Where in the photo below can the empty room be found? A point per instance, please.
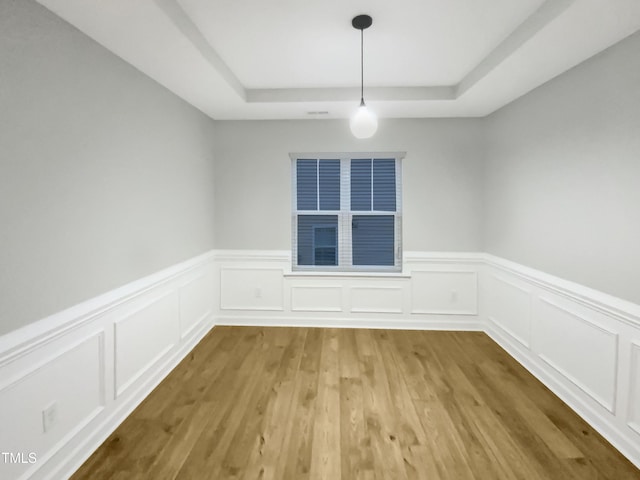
(320, 240)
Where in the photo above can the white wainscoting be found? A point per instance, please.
(509, 307)
(95, 362)
(251, 288)
(377, 299)
(316, 298)
(581, 343)
(634, 389)
(567, 341)
(158, 315)
(448, 292)
(98, 360)
(434, 291)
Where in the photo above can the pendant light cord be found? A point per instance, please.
(361, 67)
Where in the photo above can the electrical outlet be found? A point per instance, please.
(49, 417)
(454, 296)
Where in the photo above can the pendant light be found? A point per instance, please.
(364, 123)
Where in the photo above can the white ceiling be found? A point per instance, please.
(255, 59)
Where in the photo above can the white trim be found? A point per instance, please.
(226, 307)
(27, 350)
(605, 425)
(140, 373)
(508, 331)
(453, 323)
(26, 339)
(345, 155)
(575, 315)
(59, 445)
(376, 287)
(294, 288)
(608, 405)
(345, 273)
(526, 343)
(612, 315)
(185, 333)
(607, 304)
(40, 364)
(98, 434)
(474, 311)
(634, 390)
(189, 332)
(408, 256)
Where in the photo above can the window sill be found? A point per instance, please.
(310, 273)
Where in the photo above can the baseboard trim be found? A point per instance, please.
(451, 323)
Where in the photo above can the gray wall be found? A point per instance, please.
(105, 176)
(441, 178)
(563, 175)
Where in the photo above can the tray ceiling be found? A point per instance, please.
(251, 59)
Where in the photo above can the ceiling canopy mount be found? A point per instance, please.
(362, 22)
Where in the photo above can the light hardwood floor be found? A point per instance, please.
(302, 403)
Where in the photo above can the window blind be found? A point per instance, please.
(346, 214)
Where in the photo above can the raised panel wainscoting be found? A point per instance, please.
(434, 291)
(91, 365)
(581, 343)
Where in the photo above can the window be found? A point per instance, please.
(347, 212)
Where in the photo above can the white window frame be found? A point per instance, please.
(345, 214)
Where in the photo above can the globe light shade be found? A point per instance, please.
(364, 123)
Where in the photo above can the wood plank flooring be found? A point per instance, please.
(303, 403)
